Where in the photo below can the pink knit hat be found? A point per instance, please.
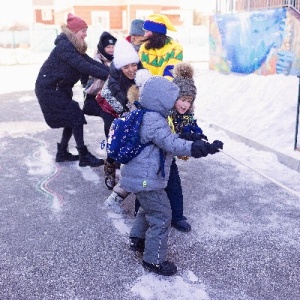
(75, 24)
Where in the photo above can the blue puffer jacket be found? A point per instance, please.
(144, 172)
(57, 77)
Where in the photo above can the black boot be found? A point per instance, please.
(88, 159)
(166, 268)
(137, 244)
(63, 154)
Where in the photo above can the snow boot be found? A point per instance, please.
(137, 244)
(63, 154)
(182, 225)
(165, 268)
(88, 159)
(114, 202)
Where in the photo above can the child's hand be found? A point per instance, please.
(202, 136)
(201, 149)
(192, 136)
(216, 146)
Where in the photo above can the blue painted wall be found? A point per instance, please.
(262, 42)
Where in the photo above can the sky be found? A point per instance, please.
(15, 11)
(259, 108)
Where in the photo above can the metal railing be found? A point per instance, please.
(247, 5)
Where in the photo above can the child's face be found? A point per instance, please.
(109, 49)
(183, 104)
(130, 70)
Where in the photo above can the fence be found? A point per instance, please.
(247, 5)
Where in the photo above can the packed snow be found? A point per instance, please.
(261, 109)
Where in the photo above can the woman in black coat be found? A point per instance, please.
(123, 69)
(56, 79)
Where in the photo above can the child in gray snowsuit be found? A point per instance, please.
(147, 174)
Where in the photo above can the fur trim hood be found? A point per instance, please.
(81, 46)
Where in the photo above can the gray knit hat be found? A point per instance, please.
(136, 27)
(183, 77)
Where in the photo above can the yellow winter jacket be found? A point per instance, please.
(161, 61)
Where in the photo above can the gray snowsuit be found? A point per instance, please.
(143, 175)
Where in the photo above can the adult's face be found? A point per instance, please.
(130, 70)
(137, 39)
(81, 34)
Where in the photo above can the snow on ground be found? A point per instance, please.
(259, 108)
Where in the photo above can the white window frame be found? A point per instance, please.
(101, 19)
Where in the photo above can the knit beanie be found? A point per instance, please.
(158, 23)
(124, 54)
(75, 23)
(136, 27)
(183, 73)
(108, 40)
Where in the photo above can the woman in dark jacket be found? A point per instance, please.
(56, 79)
(122, 73)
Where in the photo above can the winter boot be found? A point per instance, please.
(166, 268)
(137, 244)
(88, 159)
(63, 154)
(181, 225)
(114, 202)
(110, 174)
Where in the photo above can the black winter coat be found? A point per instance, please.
(57, 77)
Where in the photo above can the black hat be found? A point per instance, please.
(106, 39)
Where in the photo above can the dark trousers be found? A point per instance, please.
(77, 132)
(174, 193)
(92, 108)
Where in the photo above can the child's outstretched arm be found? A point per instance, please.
(193, 136)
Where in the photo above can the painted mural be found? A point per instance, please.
(261, 42)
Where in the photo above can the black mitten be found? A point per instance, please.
(201, 149)
(215, 146)
(202, 136)
(192, 136)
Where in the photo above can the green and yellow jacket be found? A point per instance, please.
(162, 61)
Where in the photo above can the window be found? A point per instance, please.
(46, 14)
(101, 19)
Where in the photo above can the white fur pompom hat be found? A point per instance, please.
(140, 77)
(124, 54)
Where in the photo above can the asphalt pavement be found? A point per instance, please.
(58, 241)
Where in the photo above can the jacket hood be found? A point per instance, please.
(159, 94)
(106, 39)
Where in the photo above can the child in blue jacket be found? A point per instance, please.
(147, 174)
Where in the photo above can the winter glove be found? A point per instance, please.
(201, 149)
(218, 144)
(192, 136)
